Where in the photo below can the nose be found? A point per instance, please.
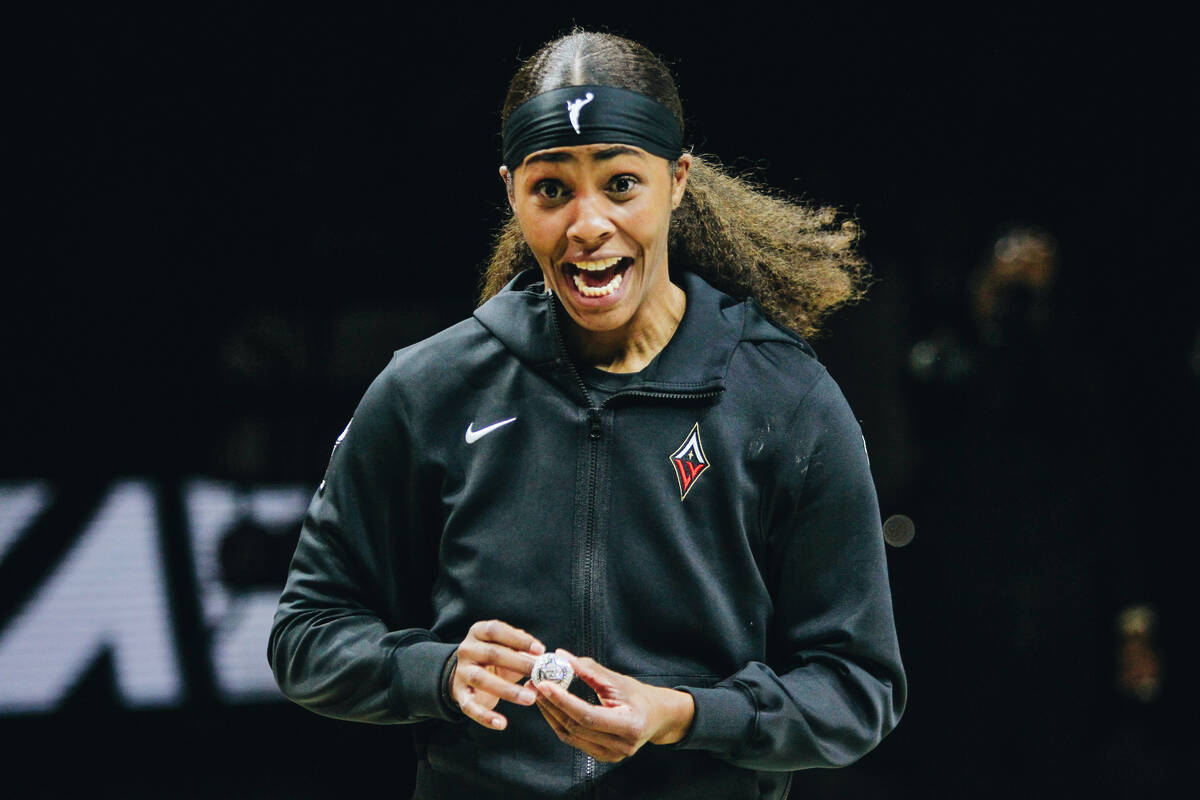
(591, 225)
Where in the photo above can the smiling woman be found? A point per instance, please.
(596, 218)
(654, 474)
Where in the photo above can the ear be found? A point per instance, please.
(679, 179)
(506, 176)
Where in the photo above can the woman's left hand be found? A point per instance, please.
(630, 713)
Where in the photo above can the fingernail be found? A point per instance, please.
(537, 648)
(497, 722)
(527, 696)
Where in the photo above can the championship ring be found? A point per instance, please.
(549, 667)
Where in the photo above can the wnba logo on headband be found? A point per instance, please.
(614, 116)
(573, 108)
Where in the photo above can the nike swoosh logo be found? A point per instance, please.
(475, 435)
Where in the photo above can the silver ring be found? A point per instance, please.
(550, 667)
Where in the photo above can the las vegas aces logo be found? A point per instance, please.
(689, 461)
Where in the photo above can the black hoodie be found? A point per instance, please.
(712, 527)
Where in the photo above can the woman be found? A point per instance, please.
(616, 459)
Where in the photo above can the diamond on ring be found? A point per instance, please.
(550, 667)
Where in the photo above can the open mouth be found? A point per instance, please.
(598, 278)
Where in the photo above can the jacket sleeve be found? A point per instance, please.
(350, 638)
(835, 685)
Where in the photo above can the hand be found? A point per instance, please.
(490, 660)
(631, 713)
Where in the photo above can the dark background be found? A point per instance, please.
(225, 218)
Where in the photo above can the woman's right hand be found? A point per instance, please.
(491, 660)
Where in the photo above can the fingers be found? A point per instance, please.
(553, 715)
(600, 746)
(476, 705)
(509, 675)
(481, 679)
(591, 672)
(501, 633)
(577, 715)
(587, 666)
(571, 731)
(497, 644)
(609, 732)
(499, 659)
(490, 660)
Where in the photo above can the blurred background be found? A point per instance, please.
(224, 218)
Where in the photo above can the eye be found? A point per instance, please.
(622, 184)
(550, 190)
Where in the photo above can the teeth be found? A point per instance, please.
(597, 291)
(597, 266)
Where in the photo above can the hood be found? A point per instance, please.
(695, 360)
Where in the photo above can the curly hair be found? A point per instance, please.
(797, 261)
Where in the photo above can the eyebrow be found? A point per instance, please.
(599, 155)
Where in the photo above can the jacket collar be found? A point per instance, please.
(696, 359)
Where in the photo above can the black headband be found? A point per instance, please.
(590, 115)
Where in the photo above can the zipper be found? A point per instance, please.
(585, 764)
(665, 395)
(595, 431)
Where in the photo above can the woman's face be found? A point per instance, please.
(596, 217)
